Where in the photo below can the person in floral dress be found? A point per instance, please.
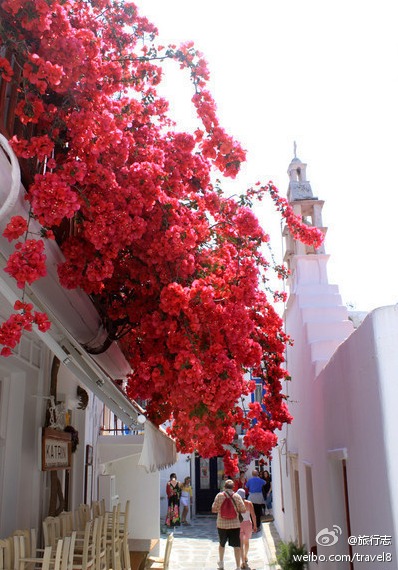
(173, 491)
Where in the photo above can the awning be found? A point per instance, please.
(159, 449)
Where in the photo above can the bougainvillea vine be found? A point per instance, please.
(174, 267)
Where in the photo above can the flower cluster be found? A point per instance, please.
(310, 235)
(11, 330)
(15, 228)
(231, 467)
(29, 110)
(42, 73)
(174, 266)
(52, 199)
(40, 147)
(27, 263)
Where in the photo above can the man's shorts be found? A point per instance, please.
(232, 534)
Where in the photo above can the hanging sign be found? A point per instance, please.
(56, 450)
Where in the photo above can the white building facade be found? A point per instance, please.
(336, 466)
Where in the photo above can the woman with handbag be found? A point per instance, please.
(173, 492)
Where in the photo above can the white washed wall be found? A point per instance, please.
(22, 412)
(349, 408)
(134, 483)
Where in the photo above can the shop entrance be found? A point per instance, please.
(208, 476)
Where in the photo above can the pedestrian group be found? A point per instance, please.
(239, 506)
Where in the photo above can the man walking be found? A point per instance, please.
(255, 487)
(228, 505)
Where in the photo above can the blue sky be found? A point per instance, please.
(324, 74)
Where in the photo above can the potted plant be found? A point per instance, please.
(290, 556)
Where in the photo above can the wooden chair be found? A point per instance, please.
(84, 551)
(67, 523)
(100, 547)
(68, 552)
(124, 519)
(95, 507)
(51, 531)
(113, 542)
(23, 562)
(30, 539)
(98, 508)
(159, 563)
(124, 536)
(6, 554)
(82, 516)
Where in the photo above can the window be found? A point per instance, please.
(258, 393)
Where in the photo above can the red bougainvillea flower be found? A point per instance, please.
(30, 109)
(27, 263)
(42, 73)
(11, 330)
(15, 228)
(299, 230)
(40, 147)
(42, 322)
(52, 199)
(175, 268)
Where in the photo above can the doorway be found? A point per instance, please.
(209, 475)
(295, 482)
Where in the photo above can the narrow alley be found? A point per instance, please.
(195, 547)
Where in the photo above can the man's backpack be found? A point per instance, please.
(227, 510)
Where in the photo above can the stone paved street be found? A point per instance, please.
(195, 547)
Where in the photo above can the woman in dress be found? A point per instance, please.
(173, 491)
(186, 499)
(247, 527)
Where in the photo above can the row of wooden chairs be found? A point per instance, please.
(14, 555)
(83, 540)
(98, 509)
(102, 537)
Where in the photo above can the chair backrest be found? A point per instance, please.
(104, 528)
(14, 542)
(2, 554)
(114, 523)
(58, 554)
(89, 543)
(96, 508)
(51, 531)
(30, 540)
(167, 551)
(100, 546)
(67, 523)
(124, 519)
(46, 560)
(85, 511)
(68, 551)
(5, 554)
(22, 561)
